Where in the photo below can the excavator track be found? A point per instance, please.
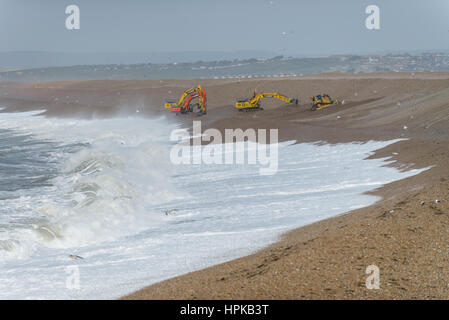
(251, 109)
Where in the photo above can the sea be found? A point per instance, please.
(95, 209)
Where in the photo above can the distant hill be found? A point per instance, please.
(38, 59)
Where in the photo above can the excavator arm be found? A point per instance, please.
(183, 105)
(276, 95)
(255, 101)
(169, 104)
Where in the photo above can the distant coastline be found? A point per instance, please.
(231, 68)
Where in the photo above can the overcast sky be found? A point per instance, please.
(287, 26)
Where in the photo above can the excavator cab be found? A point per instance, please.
(169, 104)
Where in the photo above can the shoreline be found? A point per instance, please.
(312, 253)
(405, 233)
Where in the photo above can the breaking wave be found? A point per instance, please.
(105, 179)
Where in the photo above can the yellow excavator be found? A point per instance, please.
(183, 104)
(254, 103)
(322, 101)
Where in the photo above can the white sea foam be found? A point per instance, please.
(136, 219)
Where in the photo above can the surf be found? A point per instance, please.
(115, 199)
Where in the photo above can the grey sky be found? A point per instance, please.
(288, 26)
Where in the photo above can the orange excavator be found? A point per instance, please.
(184, 104)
